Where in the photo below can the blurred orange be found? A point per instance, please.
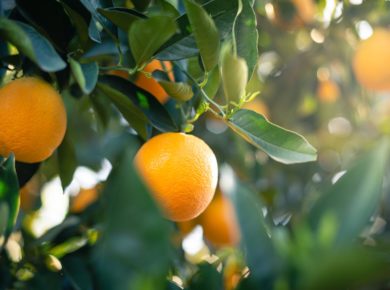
(150, 84)
(328, 91)
(186, 227)
(371, 62)
(119, 73)
(232, 273)
(258, 106)
(219, 222)
(84, 198)
(281, 13)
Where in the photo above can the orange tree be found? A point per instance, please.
(180, 101)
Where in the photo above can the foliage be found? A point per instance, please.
(312, 211)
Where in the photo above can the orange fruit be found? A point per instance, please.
(258, 106)
(371, 62)
(84, 198)
(119, 73)
(33, 119)
(149, 84)
(181, 171)
(328, 91)
(219, 222)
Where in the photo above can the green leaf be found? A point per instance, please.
(156, 113)
(32, 44)
(355, 196)
(76, 269)
(280, 144)
(86, 74)
(141, 5)
(130, 112)
(213, 83)
(179, 91)
(259, 250)
(146, 36)
(67, 161)
(80, 25)
(121, 17)
(135, 244)
(9, 192)
(207, 277)
(346, 268)
(234, 73)
(246, 35)
(205, 33)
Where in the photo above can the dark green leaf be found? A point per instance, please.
(9, 191)
(207, 277)
(67, 161)
(205, 33)
(182, 45)
(280, 144)
(134, 250)
(130, 112)
(86, 74)
(260, 253)
(141, 5)
(30, 43)
(349, 204)
(157, 115)
(347, 268)
(121, 17)
(80, 25)
(246, 35)
(146, 36)
(77, 271)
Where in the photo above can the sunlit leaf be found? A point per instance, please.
(280, 144)
(86, 74)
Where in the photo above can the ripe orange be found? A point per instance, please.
(84, 198)
(181, 171)
(33, 119)
(150, 84)
(219, 222)
(186, 227)
(371, 62)
(328, 91)
(258, 106)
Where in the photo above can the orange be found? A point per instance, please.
(119, 73)
(232, 273)
(328, 91)
(84, 198)
(149, 84)
(219, 222)
(258, 106)
(186, 227)
(371, 62)
(181, 171)
(33, 119)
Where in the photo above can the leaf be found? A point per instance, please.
(67, 161)
(130, 112)
(86, 74)
(146, 36)
(234, 72)
(157, 115)
(354, 198)
(179, 91)
(207, 277)
(213, 83)
(280, 144)
(346, 268)
(133, 231)
(9, 192)
(246, 35)
(260, 253)
(182, 45)
(32, 44)
(80, 25)
(205, 33)
(77, 271)
(121, 17)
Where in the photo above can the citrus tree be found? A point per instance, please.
(159, 144)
